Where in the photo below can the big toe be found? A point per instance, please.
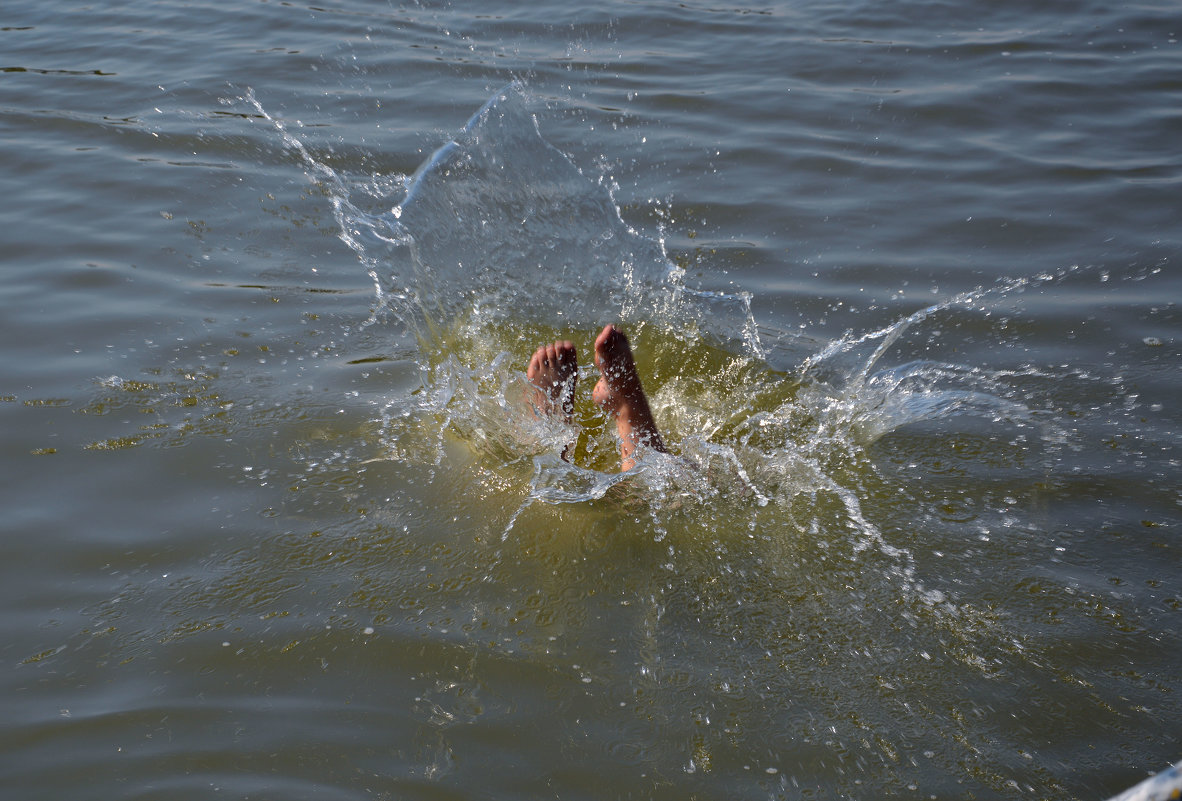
(535, 363)
(567, 357)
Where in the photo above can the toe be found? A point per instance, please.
(566, 354)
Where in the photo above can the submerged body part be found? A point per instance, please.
(553, 372)
(620, 393)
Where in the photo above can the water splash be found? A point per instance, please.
(846, 389)
(369, 236)
(499, 242)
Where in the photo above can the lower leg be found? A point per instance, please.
(621, 395)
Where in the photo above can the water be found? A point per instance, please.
(278, 520)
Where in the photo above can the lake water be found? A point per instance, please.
(903, 283)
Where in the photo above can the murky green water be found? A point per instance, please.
(279, 522)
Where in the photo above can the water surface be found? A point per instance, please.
(279, 521)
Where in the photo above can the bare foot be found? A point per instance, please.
(621, 395)
(553, 371)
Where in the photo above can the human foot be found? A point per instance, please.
(620, 393)
(553, 371)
